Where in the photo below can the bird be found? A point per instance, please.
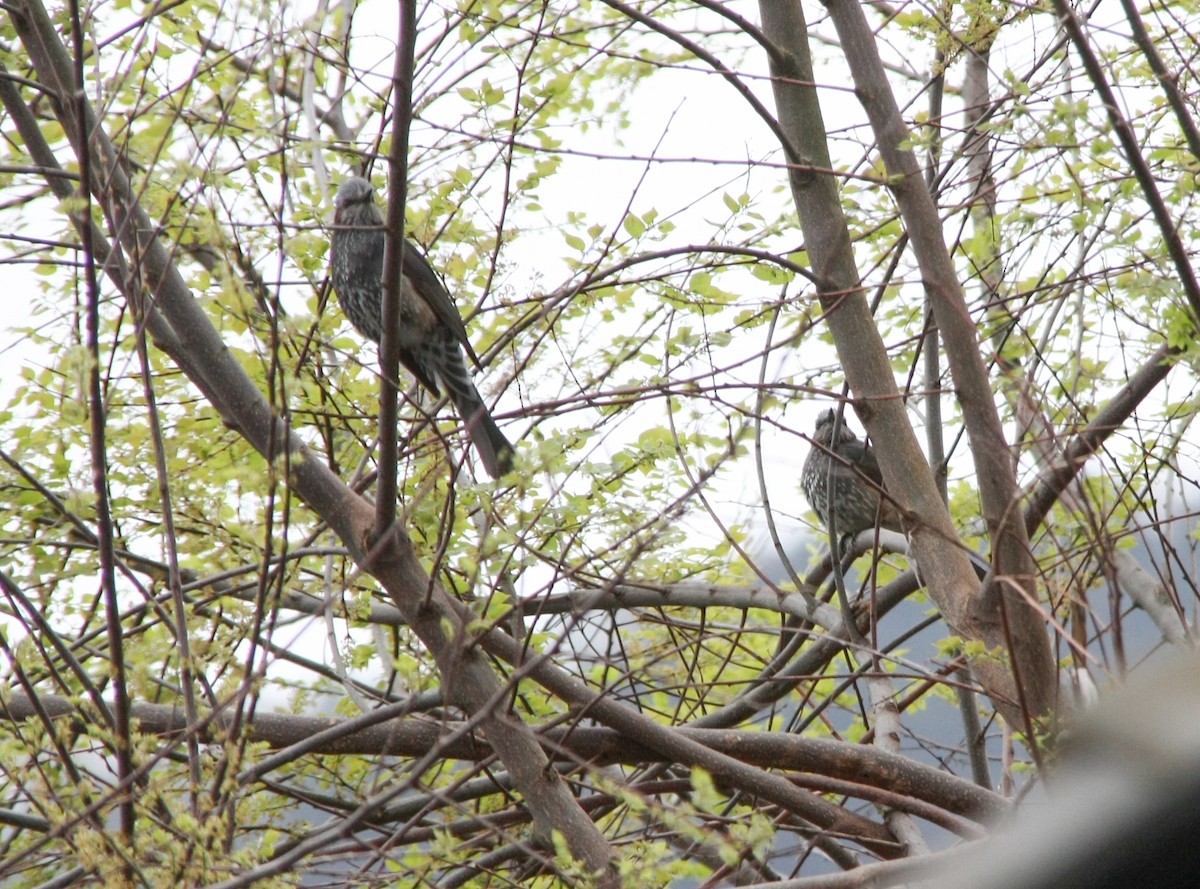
(842, 482)
(432, 335)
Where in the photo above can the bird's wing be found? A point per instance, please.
(430, 286)
(863, 459)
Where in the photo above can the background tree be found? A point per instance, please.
(625, 660)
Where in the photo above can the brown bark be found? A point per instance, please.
(184, 331)
(1021, 682)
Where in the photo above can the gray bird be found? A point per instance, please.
(432, 334)
(845, 475)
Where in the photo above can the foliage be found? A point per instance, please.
(611, 213)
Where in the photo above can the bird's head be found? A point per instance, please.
(824, 429)
(354, 207)
(354, 190)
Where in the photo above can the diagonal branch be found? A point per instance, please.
(1133, 154)
(1007, 611)
(391, 732)
(193, 343)
(1026, 685)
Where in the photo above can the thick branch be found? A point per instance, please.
(1054, 479)
(943, 564)
(386, 735)
(1010, 620)
(678, 747)
(201, 354)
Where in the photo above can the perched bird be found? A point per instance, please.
(432, 335)
(842, 481)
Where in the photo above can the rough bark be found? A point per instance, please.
(181, 327)
(1021, 682)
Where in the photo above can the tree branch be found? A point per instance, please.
(1008, 616)
(943, 564)
(439, 623)
(388, 732)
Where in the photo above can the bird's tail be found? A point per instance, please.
(494, 449)
(451, 372)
